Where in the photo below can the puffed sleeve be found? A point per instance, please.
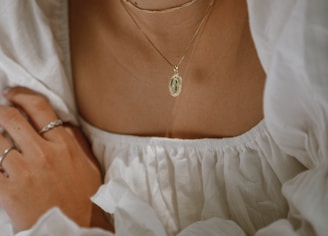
(292, 41)
(33, 53)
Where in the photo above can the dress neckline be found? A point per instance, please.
(246, 139)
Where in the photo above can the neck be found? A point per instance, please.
(179, 24)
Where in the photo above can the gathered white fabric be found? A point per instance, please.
(272, 180)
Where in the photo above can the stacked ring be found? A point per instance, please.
(2, 157)
(51, 125)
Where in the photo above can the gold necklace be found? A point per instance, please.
(164, 10)
(175, 84)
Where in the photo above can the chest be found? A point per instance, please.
(122, 83)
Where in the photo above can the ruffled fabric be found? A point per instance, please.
(187, 181)
(132, 216)
(270, 181)
(54, 222)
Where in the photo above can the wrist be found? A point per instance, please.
(101, 219)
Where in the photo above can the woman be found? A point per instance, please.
(169, 93)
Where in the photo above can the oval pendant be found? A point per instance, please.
(175, 85)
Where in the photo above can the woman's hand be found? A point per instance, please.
(51, 169)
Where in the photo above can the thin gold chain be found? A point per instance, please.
(207, 13)
(164, 10)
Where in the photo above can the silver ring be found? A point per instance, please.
(51, 125)
(2, 157)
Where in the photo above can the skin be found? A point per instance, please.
(58, 161)
(127, 93)
(223, 79)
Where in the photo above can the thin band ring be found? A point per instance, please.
(2, 157)
(51, 125)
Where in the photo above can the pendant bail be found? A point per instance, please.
(176, 69)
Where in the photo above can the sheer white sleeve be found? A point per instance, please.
(292, 40)
(29, 55)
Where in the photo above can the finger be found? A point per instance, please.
(38, 110)
(8, 159)
(19, 129)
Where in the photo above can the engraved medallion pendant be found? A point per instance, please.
(175, 85)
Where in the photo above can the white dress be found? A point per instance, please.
(272, 180)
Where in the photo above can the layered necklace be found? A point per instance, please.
(164, 10)
(175, 83)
